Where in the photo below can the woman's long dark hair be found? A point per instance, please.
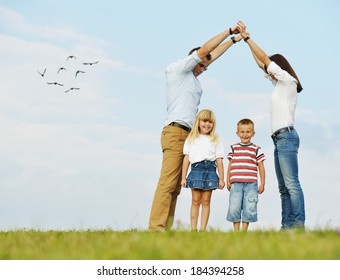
(284, 64)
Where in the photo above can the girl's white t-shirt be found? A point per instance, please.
(202, 148)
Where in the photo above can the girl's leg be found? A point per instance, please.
(196, 200)
(206, 197)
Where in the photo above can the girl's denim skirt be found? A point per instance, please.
(203, 176)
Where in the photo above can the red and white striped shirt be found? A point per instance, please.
(244, 161)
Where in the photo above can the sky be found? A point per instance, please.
(90, 159)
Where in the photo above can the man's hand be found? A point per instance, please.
(234, 29)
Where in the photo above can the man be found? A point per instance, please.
(183, 95)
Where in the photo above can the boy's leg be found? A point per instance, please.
(236, 226)
(250, 199)
(235, 205)
(245, 226)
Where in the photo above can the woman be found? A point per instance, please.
(285, 137)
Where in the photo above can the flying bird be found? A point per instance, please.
(43, 73)
(90, 63)
(72, 88)
(79, 71)
(71, 56)
(55, 83)
(61, 68)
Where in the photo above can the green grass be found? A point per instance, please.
(174, 245)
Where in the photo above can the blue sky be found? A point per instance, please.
(90, 159)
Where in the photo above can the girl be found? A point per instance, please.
(204, 150)
(285, 137)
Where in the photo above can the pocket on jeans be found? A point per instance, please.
(253, 199)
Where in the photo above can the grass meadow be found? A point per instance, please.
(173, 245)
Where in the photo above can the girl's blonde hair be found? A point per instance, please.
(203, 115)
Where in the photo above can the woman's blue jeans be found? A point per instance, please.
(286, 167)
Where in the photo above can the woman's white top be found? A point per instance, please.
(284, 98)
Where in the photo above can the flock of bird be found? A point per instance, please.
(77, 72)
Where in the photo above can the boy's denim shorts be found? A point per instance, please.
(243, 198)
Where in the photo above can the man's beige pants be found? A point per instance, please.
(169, 184)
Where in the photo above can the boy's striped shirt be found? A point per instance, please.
(244, 161)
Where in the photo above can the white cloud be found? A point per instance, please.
(18, 23)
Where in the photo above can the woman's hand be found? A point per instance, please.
(241, 26)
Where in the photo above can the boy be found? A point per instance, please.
(245, 162)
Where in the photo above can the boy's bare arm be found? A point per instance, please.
(228, 176)
(262, 177)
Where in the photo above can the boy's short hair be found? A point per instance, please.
(245, 122)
